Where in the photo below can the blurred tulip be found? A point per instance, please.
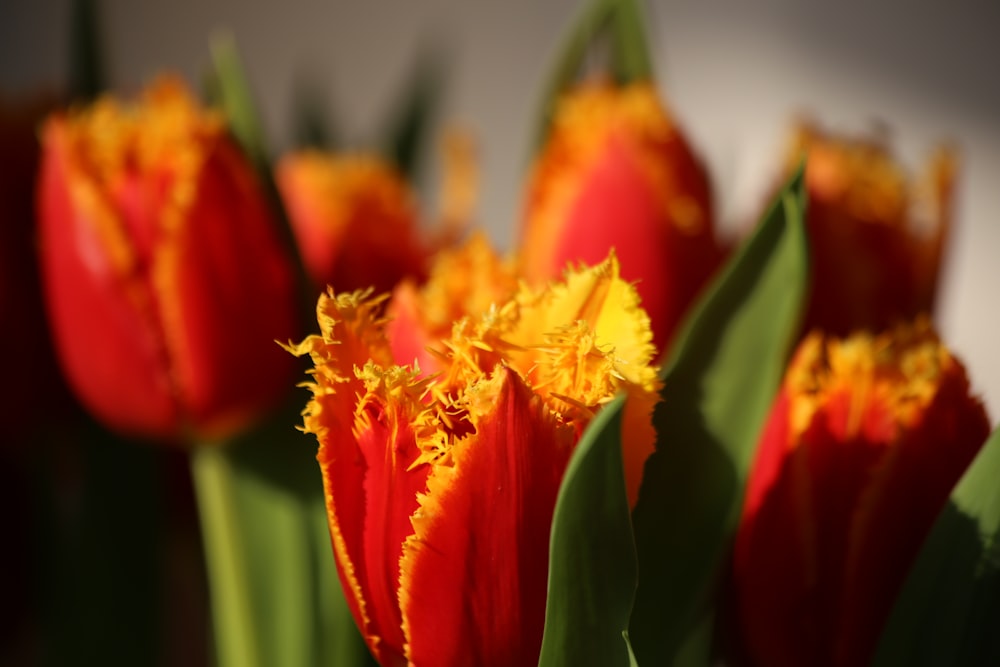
(865, 442)
(354, 218)
(165, 281)
(876, 238)
(616, 172)
(440, 491)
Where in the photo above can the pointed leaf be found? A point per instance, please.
(948, 612)
(630, 54)
(718, 388)
(592, 567)
(310, 115)
(231, 91)
(410, 124)
(87, 78)
(620, 22)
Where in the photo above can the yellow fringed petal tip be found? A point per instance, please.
(465, 280)
(164, 136)
(901, 369)
(594, 311)
(166, 126)
(575, 342)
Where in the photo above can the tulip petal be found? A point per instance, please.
(477, 596)
(225, 248)
(119, 369)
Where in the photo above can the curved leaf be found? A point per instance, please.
(717, 391)
(948, 612)
(592, 568)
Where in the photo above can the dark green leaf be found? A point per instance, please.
(718, 388)
(948, 612)
(616, 25)
(87, 78)
(592, 568)
(311, 116)
(406, 135)
(630, 54)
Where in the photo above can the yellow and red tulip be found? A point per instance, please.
(616, 172)
(876, 236)
(164, 275)
(440, 490)
(866, 439)
(354, 218)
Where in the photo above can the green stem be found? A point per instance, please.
(232, 614)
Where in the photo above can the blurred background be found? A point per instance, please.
(735, 73)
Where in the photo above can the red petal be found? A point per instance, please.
(474, 577)
(226, 292)
(103, 323)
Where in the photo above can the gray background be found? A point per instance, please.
(735, 73)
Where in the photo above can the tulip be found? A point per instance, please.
(876, 236)
(865, 442)
(354, 219)
(617, 172)
(440, 490)
(157, 245)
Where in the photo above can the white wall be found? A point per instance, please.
(734, 71)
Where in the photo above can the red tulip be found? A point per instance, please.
(354, 218)
(165, 281)
(440, 491)
(876, 237)
(616, 172)
(866, 440)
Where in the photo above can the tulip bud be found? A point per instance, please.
(876, 237)
(157, 245)
(354, 219)
(865, 442)
(616, 172)
(440, 490)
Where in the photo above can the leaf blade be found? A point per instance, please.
(949, 608)
(718, 388)
(592, 568)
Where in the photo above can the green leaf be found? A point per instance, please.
(405, 137)
(230, 90)
(948, 612)
(276, 598)
(87, 78)
(630, 55)
(592, 567)
(718, 389)
(619, 22)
